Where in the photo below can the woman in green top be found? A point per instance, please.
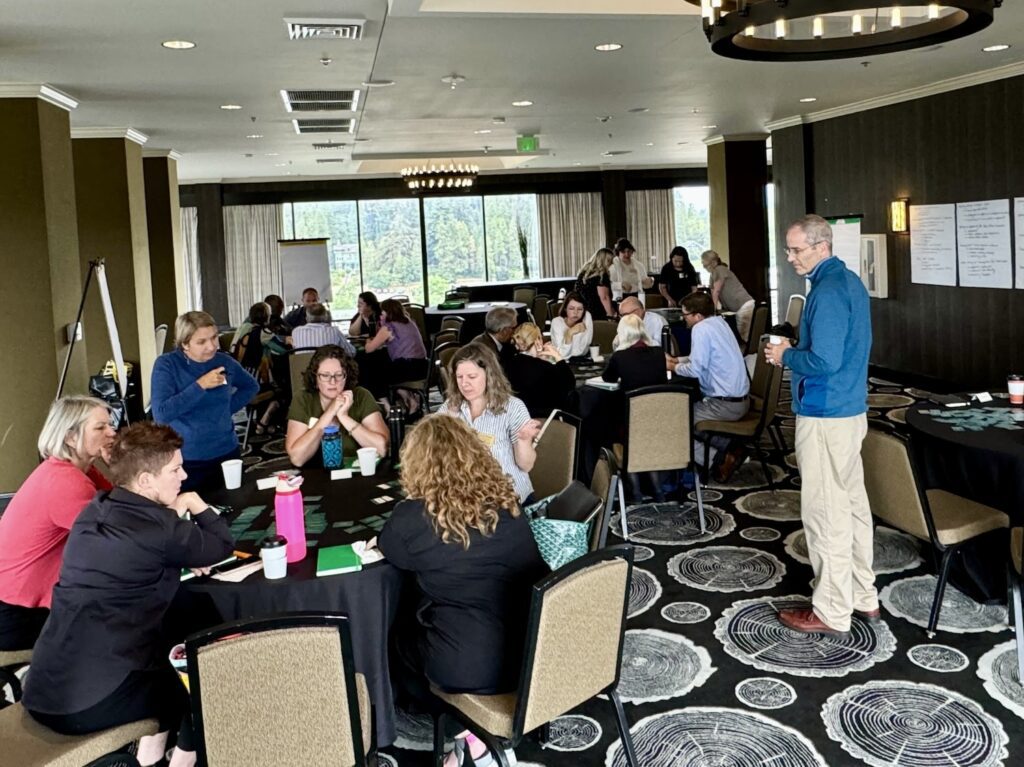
(330, 395)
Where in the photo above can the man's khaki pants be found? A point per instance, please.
(836, 516)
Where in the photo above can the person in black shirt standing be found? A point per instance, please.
(462, 535)
(678, 277)
(101, 660)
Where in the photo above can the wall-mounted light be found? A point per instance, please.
(899, 215)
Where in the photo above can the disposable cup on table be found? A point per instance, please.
(1015, 384)
(232, 473)
(595, 352)
(775, 340)
(367, 460)
(274, 552)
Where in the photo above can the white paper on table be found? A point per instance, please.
(933, 244)
(267, 483)
(368, 551)
(1018, 213)
(238, 574)
(983, 244)
(341, 474)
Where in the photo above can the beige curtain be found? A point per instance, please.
(189, 242)
(651, 223)
(253, 265)
(571, 229)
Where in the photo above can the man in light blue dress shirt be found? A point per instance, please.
(717, 364)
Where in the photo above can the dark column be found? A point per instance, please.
(210, 243)
(737, 175)
(613, 200)
(792, 162)
(163, 224)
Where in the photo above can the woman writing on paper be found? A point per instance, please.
(331, 396)
(101, 661)
(461, 533)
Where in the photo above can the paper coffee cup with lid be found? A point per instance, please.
(273, 552)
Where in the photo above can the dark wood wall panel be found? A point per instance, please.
(954, 147)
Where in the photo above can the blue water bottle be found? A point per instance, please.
(330, 447)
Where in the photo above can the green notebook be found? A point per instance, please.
(333, 560)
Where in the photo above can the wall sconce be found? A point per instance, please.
(899, 215)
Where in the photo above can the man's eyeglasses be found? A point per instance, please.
(798, 251)
(331, 377)
(689, 314)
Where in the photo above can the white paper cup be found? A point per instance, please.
(1015, 385)
(775, 340)
(595, 352)
(232, 473)
(275, 563)
(367, 460)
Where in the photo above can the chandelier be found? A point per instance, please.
(436, 178)
(813, 30)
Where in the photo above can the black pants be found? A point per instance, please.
(157, 694)
(206, 475)
(20, 626)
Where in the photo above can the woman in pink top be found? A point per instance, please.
(35, 525)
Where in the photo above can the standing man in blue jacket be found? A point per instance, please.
(830, 372)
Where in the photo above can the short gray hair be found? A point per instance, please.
(66, 417)
(318, 313)
(710, 255)
(188, 324)
(630, 330)
(499, 318)
(815, 229)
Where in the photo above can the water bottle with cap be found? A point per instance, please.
(289, 516)
(561, 294)
(666, 339)
(396, 427)
(330, 447)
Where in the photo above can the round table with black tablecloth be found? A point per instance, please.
(976, 452)
(337, 512)
(473, 313)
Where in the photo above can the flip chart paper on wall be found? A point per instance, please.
(115, 340)
(1018, 228)
(983, 244)
(933, 244)
(846, 242)
(304, 264)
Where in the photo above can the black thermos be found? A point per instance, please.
(396, 426)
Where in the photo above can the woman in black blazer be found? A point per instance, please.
(101, 660)
(538, 374)
(638, 362)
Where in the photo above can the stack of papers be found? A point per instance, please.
(600, 383)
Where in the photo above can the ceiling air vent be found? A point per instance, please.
(320, 101)
(344, 125)
(329, 145)
(325, 29)
(321, 161)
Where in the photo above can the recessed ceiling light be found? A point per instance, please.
(482, 131)
(995, 48)
(523, 103)
(280, 165)
(649, 143)
(378, 83)
(606, 47)
(639, 110)
(178, 45)
(708, 127)
(255, 135)
(231, 107)
(577, 163)
(271, 154)
(808, 100)
(681, 143)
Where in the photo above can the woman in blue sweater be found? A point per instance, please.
(195, 390)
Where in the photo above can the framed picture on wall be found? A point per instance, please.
(874, 266)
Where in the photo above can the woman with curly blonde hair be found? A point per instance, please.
(474, 558)
(480, 395)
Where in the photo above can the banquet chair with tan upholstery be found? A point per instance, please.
(524, 294)
(26, 743)
(604, 334)
(945, 520)
(298, 361)
(605, 485)
(540, 311)
(274, 691)
(794, 311)
(586, 598)
(1016, 581)
(557, 455)
(758, 327)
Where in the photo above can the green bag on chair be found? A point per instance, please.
(564, 539)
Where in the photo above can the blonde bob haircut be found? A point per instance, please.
(498, 390)
(526, 336)
(630, 330)
(66, 418)
(447, 466)
(188, 324)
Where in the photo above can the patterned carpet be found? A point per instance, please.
(710, 678)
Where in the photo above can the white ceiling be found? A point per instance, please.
(107, 55)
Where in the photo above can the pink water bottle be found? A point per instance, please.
(290, 517)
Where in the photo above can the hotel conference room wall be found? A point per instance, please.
(959, 146)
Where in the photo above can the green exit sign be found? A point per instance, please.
(526, 143)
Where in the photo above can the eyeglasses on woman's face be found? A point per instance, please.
(331, 377)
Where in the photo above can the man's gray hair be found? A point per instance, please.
(499, 318)
(815, 229)
(66, 418)
(318, 313)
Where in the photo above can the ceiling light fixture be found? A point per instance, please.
(816, 30)
(995, 48)
(255, 135)
(608, 47)
(482, 131)
(808, 100)
(453, 80)
(378, 83)
(453, 177)
(523, 103)
(709, 127)
(178, 45)
(231, 107)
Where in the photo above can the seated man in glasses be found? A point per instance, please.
(330, 397)
(653, 323)
(717, 364)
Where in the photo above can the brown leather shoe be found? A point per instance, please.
(871, 616)
(731, 461)
(806, 622)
